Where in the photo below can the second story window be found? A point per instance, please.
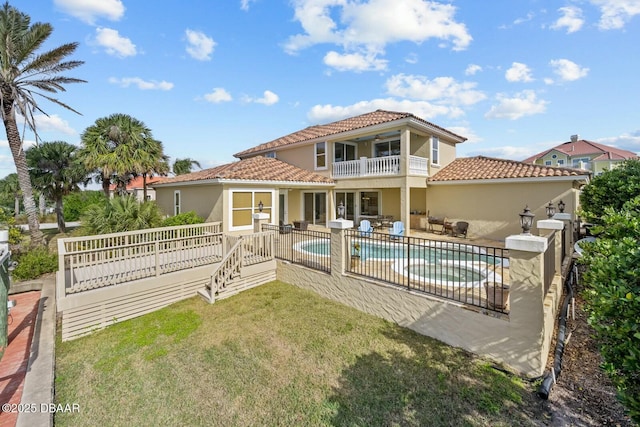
(270, 155)
(387, 148)
(321, 155)
(344, 152)
(435, 150)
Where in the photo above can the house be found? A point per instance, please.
(582, 154)
(135, 187)
(382, 163)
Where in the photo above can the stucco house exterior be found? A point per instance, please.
(382, 163)
(582, 154)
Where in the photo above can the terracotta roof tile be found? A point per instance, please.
(352, 123)
(257, 168)
(584, 148)
(479, 168)
(135, 183)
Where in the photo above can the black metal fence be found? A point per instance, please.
(470, 274)
(305, 247)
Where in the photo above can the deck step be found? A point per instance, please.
(206, 295)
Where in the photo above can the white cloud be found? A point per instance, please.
(141, 84)
(472, 69)
(369, 26)
(27, 143)
(468, 133)
(90, 10)
(411, 58)
(518, 72)
(571, 19)
(568, 70)
(518, 21)
(522, 104)
(218, 95)
(268, 98)
(616, 13)
(626, 141)
(326, 113)
(199, 45)
(244, 4)
(114, 44)
(444, 89)
(354, 62)
(53, 123)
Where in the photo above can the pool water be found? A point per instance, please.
(391, 251)
(446, 273)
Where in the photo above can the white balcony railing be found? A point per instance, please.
(379, 166)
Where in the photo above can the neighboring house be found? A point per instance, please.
(380, 163)
(582, 154)
(135, 187)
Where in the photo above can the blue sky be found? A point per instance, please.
(212, 78)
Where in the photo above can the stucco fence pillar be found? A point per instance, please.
(568, 225)
(258, 220)
(516, 339)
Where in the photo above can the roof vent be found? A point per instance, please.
(574, 138)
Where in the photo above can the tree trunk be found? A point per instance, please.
(60, 216)
(42, 205)
(144, 187)
(106, 183)
(16, 206)
(20, 160)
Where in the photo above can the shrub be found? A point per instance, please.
(611, 189)
(8, 222)
(612, 295)
(184, 218)
(34, 263)
(120, 214)
(75, 204)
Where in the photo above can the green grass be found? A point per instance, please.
(278, 356)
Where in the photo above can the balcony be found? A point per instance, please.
(379, 166)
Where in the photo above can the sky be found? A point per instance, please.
(213, 78)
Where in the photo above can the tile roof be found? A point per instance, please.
(583, 148)
(135, 183)
(352, 123)
(257, 168)
(480, 167)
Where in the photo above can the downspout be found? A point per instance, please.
(550, 377)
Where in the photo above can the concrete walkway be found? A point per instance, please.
(30, 355)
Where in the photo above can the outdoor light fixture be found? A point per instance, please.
(377, 138)
(341, 210)
(561, 206)
(526, 220)
(551, 210)
(260, 206)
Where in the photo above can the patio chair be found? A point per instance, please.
(365, 228)
(285, 228)
(397, 230)
(460, 229)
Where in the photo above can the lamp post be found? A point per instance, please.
(341, 210)
(561, 206)
(260, 206)
(551, 210)
(526, 220)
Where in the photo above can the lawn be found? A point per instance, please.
(279, 355)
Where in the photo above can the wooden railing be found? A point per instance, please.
(93, 262)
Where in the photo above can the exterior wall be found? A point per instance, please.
(447, 155)
(303, 157)
(492, 210)
(554, 162)
(205, 200)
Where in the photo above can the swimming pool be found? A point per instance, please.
(442, 263)
(386, 251)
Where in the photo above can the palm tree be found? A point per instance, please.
(10, 188)
(183, 166)
(56, 172)
(25, 73)
(119, 145)
(150, 161)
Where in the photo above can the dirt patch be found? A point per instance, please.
(583, 395)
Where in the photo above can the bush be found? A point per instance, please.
(612, 294)
(34, 263)
(184, 218)
(120, 214)
(75, 204)
(612, 189)
(8, 222)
